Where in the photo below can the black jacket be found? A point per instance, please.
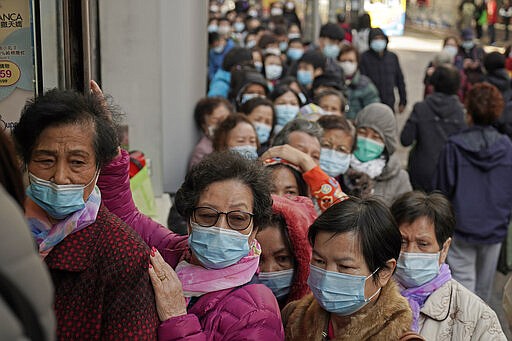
(385, 73)
(431, 122)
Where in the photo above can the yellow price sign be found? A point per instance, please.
(10, 73)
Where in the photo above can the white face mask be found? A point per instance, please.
(275, 11)
(273, 71)
(349, 68)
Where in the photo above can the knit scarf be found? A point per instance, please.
(417, 296)
(197, 280)
(46, 235)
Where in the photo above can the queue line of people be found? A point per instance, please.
(303, 228)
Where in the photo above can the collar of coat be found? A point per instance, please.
(388, 319)
(437, 306)
(75, 252)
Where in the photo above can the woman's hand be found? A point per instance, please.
(290, 154)
(96, 91)
(170, 301)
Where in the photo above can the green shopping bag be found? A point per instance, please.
(142, 192)
(482, 21)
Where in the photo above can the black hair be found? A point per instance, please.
(280, 90)
(280, 30)
(267, 39)
(236, 56)
(213, 37)
(446, 79)
(494, 61)
(248, 107)
(315, 58)
(225, 127)
(434, 206)
(332, 31)
(328, 79)
(205, 106)
(364, 21)
(223, 166)
(371, 221)
(67, 107)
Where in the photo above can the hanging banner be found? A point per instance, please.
(17, 83)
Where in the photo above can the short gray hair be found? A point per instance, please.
(299, 124)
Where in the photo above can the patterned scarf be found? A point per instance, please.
(46, 235)
(417, 296)
(197, 280)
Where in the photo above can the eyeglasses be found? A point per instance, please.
(207, 217)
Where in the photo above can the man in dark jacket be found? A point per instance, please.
(474, 173)
(383, 68)
(431, 122)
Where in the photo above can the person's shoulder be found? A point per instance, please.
(252, 296)
(118, 240)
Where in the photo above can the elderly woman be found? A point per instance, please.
(299, 144)
(96, 261)
(353, 295)
(225, 199)
(442, 308)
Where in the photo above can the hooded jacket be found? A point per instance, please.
(298, 213)
(393, 180)
(474, 172)
(384, 71)
(431, 122)
(360, 92)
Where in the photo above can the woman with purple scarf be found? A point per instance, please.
(442, 308)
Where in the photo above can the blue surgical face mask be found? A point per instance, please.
(283, 46)
(59, 201)
(277, 281)
(212, 28)
(368, 149)
(295, 53)
(258, 66)
(334, 162)
(331, 50)
(239, 26)
(247, 151)
(378, 45)
(285, 113)
(273, 71)
(415, 269)
(338, 293)
(304, 77)
(263, 131)
(216, 247)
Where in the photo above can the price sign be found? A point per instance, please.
(10, 73)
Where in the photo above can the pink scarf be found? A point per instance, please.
(197, 281)
(46, 235)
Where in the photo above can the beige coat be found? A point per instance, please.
(453, 312)
(507, 300)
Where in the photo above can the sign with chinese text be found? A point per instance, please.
(16, 60)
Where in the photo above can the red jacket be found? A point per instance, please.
(492, 12)
(102, 286)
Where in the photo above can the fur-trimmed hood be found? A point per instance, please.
(388, 319)
(299, 213)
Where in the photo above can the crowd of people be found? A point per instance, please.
(296, 219)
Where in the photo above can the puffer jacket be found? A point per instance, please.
(22, 266)
(452, 312)
(220, 84)
(360, 92)
(249, 312)
(431, 122)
